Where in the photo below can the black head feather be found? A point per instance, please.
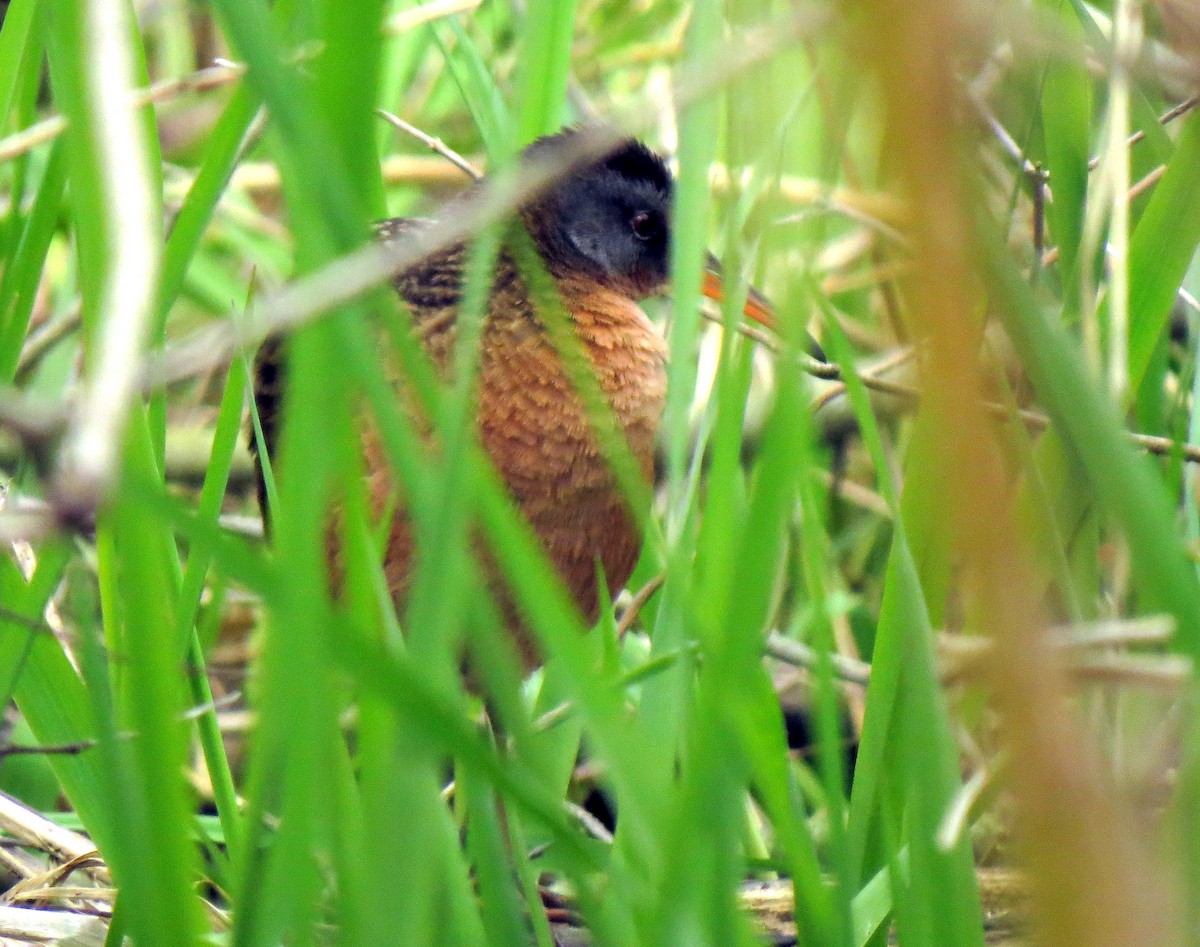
(609, 218)
(636, 162)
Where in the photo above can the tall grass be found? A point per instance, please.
(897, 512)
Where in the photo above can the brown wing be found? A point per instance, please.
(432, 290)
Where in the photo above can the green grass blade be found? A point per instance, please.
(23, 274)
(229, 421)
(1066, 126)
(1124, 483)
(47, 689)
(547, 33)
(220, 159)
(1161, 248)
(19, 41)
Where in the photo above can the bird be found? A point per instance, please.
(603, 234)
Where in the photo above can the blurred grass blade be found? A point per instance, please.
(153, 704)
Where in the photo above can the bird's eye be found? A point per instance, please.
(644, 224)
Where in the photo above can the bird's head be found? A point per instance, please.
(611, 220)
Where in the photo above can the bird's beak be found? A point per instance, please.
(757, 307)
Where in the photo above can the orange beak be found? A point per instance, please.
(757, 307)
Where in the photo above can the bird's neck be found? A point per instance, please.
(606, 318)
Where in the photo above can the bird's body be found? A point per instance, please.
(603, 237)
(532, 422)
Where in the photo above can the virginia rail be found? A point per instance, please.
(603, 234)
